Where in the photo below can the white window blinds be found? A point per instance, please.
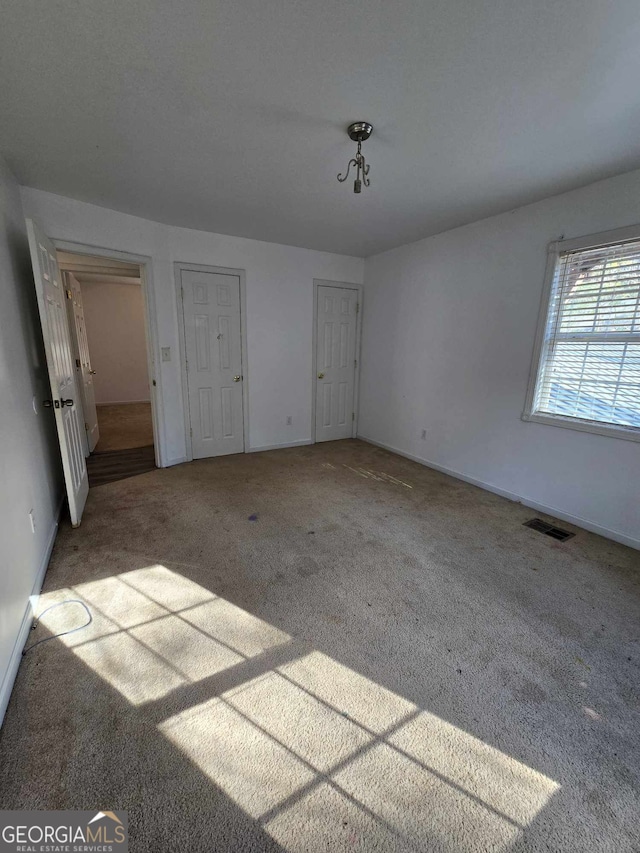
(590, 359)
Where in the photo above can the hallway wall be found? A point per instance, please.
(114, 317)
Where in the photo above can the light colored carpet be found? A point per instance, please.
(331, 648)
(124, 426)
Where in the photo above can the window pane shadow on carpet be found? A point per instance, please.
(308, 744)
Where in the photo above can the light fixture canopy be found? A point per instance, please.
(359, 132)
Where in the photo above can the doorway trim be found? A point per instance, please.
(151, 332)
(178, 268)
(320, 282)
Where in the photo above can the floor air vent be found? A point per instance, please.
(548, 529)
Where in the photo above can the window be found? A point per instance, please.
(587, 361)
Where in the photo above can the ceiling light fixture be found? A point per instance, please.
(359, 131)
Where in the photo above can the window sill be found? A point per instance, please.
(627, 433)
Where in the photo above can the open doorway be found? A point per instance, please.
(106, 313)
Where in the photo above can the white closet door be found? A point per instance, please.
(212, 329)
(337, 314)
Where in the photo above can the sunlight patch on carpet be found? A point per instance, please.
(154, 631)
(314, 736)
(306, 739)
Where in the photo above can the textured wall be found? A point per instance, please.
(279, 282)
(449, 326)
(30, 467)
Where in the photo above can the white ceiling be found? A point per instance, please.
(230, 116)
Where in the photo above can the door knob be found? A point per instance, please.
(237, 378)
(64, 403)
(321, 376)
(92, 372)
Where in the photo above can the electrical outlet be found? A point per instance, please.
(32, 520)
(424, 435)
(289, 420)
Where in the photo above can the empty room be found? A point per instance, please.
(320, 359)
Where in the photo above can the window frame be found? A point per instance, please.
(554, 250)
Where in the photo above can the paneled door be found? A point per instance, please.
(213, 348)
(337, 319)
(84, 372)
(65, 402)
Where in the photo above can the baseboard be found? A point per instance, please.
(177, 461)
(622, 538)
(122, 403)
(262, 447)
(180, 459)
(27, 619)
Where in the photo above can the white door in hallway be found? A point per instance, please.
(337, 318)
(213, 347)
(84, 373)
(65, 401)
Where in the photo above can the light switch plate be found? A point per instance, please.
(165, 353)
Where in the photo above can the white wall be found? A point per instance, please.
(279, 282)
(114, 318)
(30, 467)
(448, 333)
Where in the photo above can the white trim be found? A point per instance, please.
(597, 427)
(178, 460)
(552, 256)
(512, 496)
(346, 285)
(261, 448)
(554, 250)
(178, 268)
(594, 241)
(151, 333)
(29, 615)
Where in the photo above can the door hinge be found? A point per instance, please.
(357, 307)
(353, 416)
(355, 362)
